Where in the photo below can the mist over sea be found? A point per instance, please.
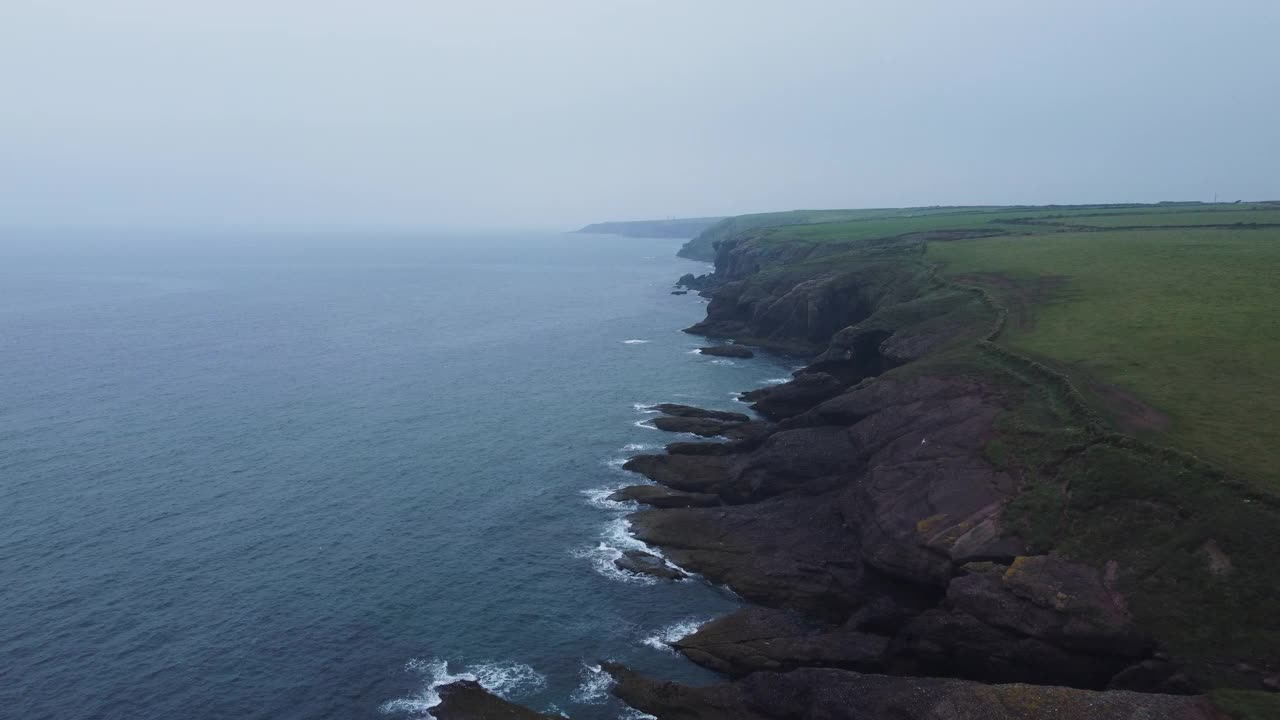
(306, 476)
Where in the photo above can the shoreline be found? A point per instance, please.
(863, 517)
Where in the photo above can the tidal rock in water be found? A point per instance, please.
(732, 351)
(689, 411)
(467, 700)
(703, 427)
(641, 562)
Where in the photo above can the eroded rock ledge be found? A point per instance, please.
(825, 694)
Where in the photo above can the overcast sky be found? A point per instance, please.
(555, 113)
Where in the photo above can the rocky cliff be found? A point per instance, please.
(931, 526)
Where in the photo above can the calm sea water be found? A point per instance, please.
(260, 476)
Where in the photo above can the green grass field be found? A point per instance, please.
(1179, 320)
(1162, 315)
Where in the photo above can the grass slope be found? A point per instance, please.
(1181, 320)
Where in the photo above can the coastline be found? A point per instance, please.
(868, 518)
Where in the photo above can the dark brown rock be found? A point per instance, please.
(827, 694)
(1063, 603)
(764, 639)
(690, 473)
(661, 497)
(814, 459)
(952, 643)
(733, 351)
(690, 411)
(643, 563)
(789, 399)
(467, 700)
(702, 448)
(705, 427)
(790, 552)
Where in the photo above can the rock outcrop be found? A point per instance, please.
(467, 700)
(732, 351)
(643, 563)
(828, 694)
(778, 402)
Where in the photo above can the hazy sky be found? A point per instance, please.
(559, 112)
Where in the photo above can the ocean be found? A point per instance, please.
(313, 475)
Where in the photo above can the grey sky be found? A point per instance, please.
(560, 112)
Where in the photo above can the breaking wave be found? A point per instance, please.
(506, 680)
(664, 638)
(594, 687)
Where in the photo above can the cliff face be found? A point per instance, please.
(921, 502)
(931, 525)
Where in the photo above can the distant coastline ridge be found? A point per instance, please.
(669, 228)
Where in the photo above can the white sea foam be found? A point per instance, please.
(634, 714)
(722, 361)
(663, 639)
(644, 407)
(614, 539)
(776, 381)
(641, 423)
(614, 463)
(506, 680)
(634, 342)
(599, 498)
(594, 687)
(638, 447)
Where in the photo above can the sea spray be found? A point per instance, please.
(664, 638)
(508, 680)
(594, 686)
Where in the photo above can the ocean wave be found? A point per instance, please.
(506, 680)
(641, 424)
(639, 447)
(776, 381)
(594, 687)
(634, 342)
(722, 361)
(644, 407)
(614, 463)
(634, 714)
(665, 637)
(599, 498)
(615, 538)
(694, 351)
